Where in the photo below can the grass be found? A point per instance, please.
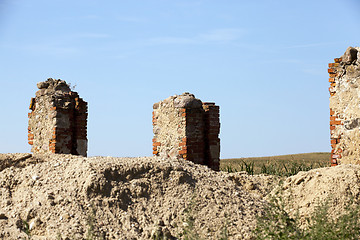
(275, 223)
(26, 229)
(189, 231)
(283, 165)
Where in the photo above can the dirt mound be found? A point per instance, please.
(17, 160)
(70, 197)
(338, 185)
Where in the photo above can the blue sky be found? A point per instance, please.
(263, 62)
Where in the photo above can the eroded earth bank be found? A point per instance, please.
(70, 197)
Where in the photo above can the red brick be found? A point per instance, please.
(154, 139)
(331, 65)
(183, 152)
(333, 75)
(337, 60)
(331, 79)
(331, 70)
(332, 112)
(155, 144)
(332, 127)
(337, 122)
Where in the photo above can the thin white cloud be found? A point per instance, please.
(51, 50)
(92, 35)
(90, 17)
(130, 19)
(224, 35)
(311, 45)
(315, 72)
(172, 40)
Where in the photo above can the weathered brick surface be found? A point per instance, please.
(345, 108)
(212, 131)
(58, 120)
(184, 127)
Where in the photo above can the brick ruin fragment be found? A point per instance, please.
(58, 120)
(184, 127)
(345, 108)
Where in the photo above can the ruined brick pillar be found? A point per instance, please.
(58, 120)
(184, 127)
(345, 108)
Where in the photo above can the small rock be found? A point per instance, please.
(156, 106)
(42, 85)
(249, 186)
(160, 222)
(350, 55)
(32, 225)
(35, 177)
(51, 196)
(3, 216)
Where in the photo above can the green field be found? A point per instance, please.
(278, 165)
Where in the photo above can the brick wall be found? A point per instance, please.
(212, 131)
(184, 127)
(58, 120)
(344, 78)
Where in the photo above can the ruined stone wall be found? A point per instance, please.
(58, 120)
(184, 127)
(345, 108)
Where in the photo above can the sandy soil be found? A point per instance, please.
(338, 186)
(71, 197)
